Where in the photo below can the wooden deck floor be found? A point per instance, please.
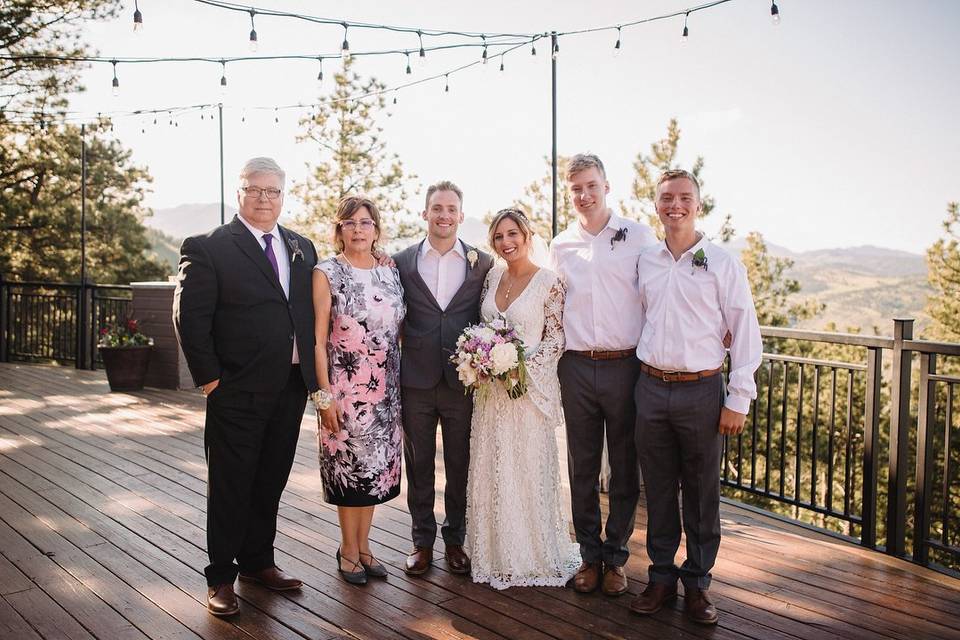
(102, 500)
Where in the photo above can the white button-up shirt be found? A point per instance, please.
(443, 274)
(688, 309)
(602, 307)
(283, 263)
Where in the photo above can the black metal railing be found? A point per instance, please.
(835, 442)
(58, 322)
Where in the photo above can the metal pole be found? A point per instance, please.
(222, 203)
(899, 434)
(82, 298)
(553, 157)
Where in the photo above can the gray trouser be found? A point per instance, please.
(422, 409)
(679, 448)
(597, 398)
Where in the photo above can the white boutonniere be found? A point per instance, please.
(295, 251)
(472, 257)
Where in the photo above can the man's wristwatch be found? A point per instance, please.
(322, 399)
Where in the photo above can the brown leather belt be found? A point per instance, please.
(604, 355)
(677, 376)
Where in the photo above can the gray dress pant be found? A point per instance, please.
(679, 448)
(597, 398)
(422, 409)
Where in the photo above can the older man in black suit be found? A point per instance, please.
(244, 317)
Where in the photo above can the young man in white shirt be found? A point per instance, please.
(692, 294)
(597, 259)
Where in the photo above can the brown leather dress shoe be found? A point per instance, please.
(418, 561)
(698, 606)
(587, 577)
(457, 560)
(614, 581)
(653, 598)
(272, 578)
(221, 600)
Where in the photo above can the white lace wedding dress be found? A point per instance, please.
(517, 534)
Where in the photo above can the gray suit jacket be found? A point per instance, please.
(429, 332)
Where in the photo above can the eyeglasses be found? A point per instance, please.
(366, 224)
(256, 192)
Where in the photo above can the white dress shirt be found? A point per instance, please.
(600, 274)
(687, 310)
(443, 274)
(283, 263)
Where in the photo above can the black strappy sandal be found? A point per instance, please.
(373, 570)
(353, 577)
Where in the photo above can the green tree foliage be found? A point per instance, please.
(537, 201)
(647, 169)
(943, 273)
(40, 210)
(353, 159)
(773, 291)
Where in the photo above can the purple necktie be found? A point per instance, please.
(271, 256)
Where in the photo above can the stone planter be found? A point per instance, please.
(126, 366)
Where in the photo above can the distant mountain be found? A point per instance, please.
(165, 248)
(188, 219)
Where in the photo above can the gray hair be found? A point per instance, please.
(262, 165)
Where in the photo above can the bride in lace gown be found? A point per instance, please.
(517, 534)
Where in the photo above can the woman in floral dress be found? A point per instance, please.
(359, 307)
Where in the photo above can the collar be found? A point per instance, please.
(614, 224)
(699, 244)
(257, 233)
(426, 247)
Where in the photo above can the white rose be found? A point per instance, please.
(486, 334)
(466, 373)
(503, 358)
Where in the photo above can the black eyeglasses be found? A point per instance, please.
(256, 192)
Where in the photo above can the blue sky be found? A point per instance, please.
(836, 128)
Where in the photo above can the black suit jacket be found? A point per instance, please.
(231, 316)
(429, 332)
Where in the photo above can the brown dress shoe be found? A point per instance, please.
(457, 560)
(418, 561)
(587, 577)
(653, 598)
(272, 578)
(221, 600)
(698, 606)
(614, 581)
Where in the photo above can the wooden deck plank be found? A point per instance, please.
(118, 480)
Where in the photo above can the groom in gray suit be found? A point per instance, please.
(442, 278)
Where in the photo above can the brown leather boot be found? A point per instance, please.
(698, 606)
(614, 581)
(221, 600)
(587, 577)
(653, 598)
(418, 561)
(272, 578)
(457, 560)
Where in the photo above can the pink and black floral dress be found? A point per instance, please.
(360, 465)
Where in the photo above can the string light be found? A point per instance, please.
(501, 63)
(116, 81)
(423, 53)
(686, 31)
(408, 64)
(556, 49)
(394, 96)
(253, 32)
(533, 48)
(276, 115)
(775, 13)
(320, 75)
(484, 55)
(223, 77)
(616, 47)
(446, 77)
(137, 17)
(345, 47)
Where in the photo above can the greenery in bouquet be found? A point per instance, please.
(123, 334)
(490, 352)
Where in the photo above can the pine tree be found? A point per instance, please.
(353, 160)
(943, 273)
(537, 201)
(647, 169)
(772, 290)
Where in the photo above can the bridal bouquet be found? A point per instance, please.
(491, 351)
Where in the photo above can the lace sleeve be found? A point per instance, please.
(552, 341)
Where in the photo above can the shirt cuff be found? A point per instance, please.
(740, 404)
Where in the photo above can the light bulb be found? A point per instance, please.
(253, 33)
(137, 18)
(616, 47)
(774, 13)
(345, 46)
